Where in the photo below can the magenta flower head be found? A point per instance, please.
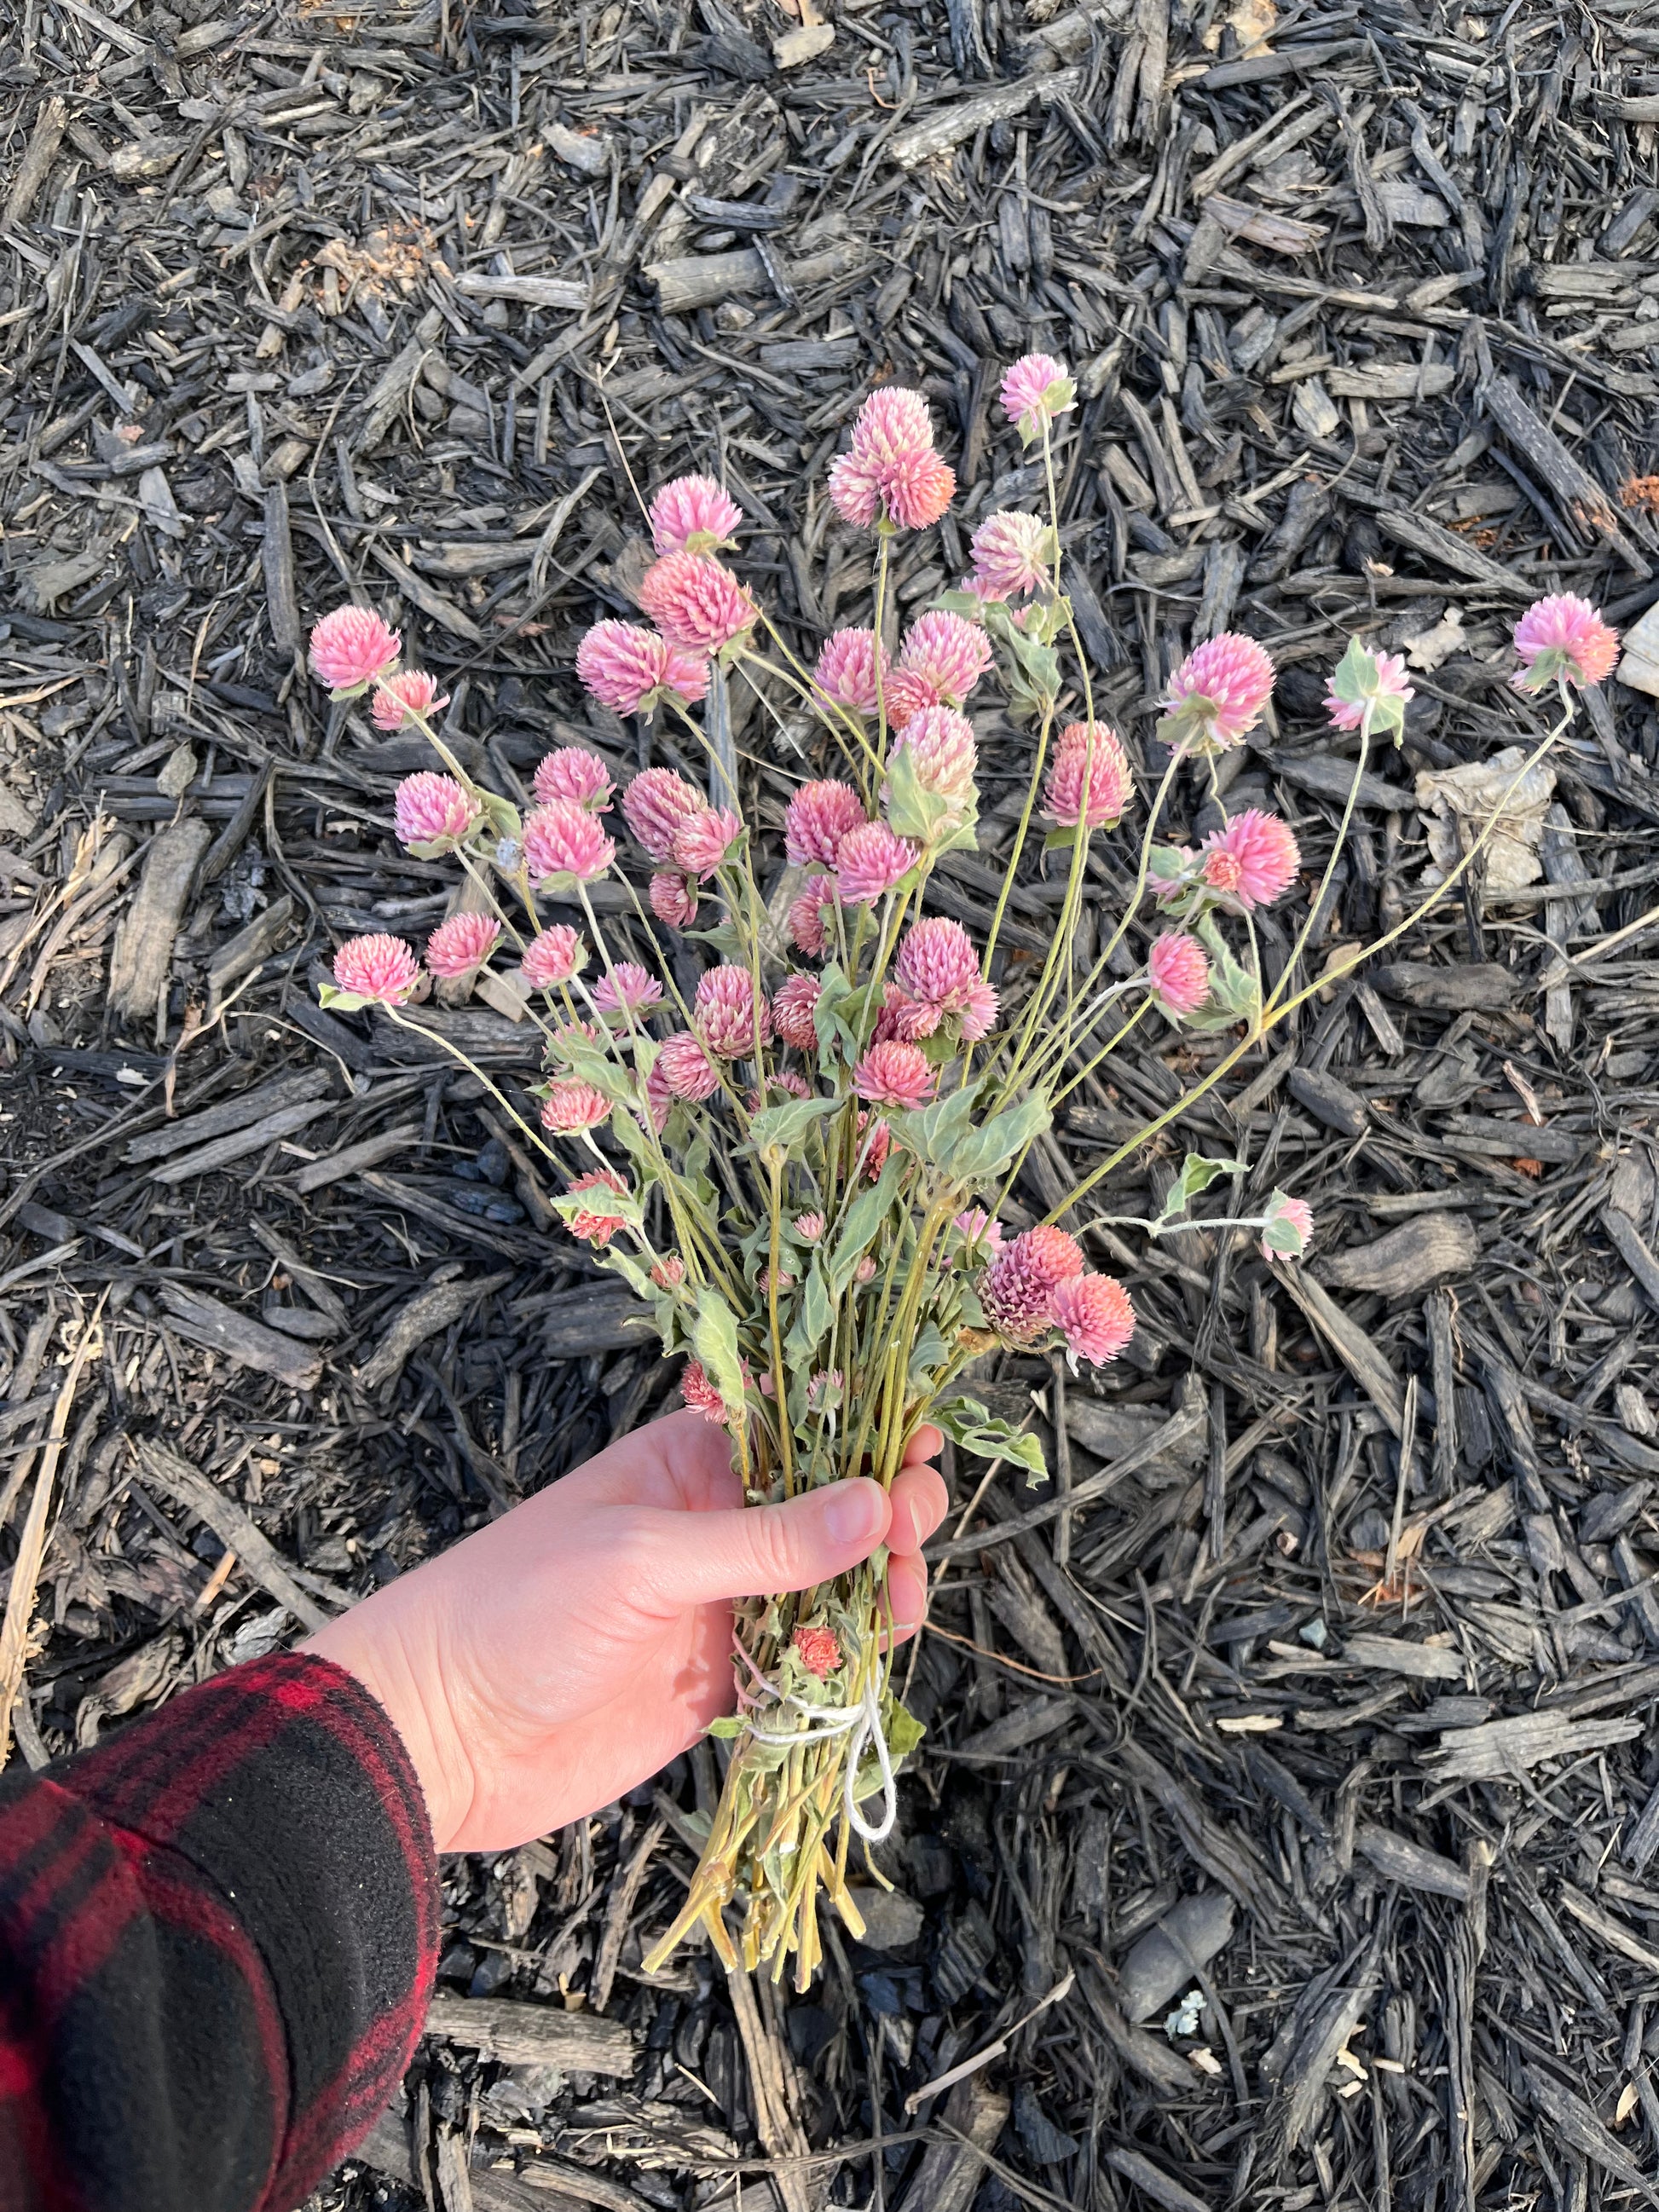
(572, 1108)
(937, 963)
(461, 945)
(700, 1396)
(432, 813)
(694, 514)
(705, 841)
(807, 926)
(727, 1016)
(574, 773)
(555, 956)
(871, 863)
(894, 1074)
(818, 819)
(1035, 390)
(980, 1233)
(695, 602)
(350, 649)
(628, 989)
(1094, 1316)
(1017, 1289)
(401, 697)
(684, 1069)
(632, 671)
(1178, 973)
(1218, 693)
(1088, 755)
(379, 971)
(1286, 1227)
(562, 840)
(1011, 555)
(792, 1012)
(1383, 675)
(948, 653)
(654, 806)
(1563, 639)
(943, 751)
(596, 1223)
(673, 900)
(846, 670)
(1253, 861)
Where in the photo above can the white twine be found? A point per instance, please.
(862, 1723)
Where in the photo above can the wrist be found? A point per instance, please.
(377, 1660)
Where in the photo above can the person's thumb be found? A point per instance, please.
(756, 1550)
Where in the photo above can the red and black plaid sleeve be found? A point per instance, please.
(218, 1934)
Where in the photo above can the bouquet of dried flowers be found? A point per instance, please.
(801, 1165)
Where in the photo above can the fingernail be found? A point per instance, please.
(853, 1512)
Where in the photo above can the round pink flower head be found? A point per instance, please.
(948, 652)
(1088, 754)
(979, 1231)
(432, 813)
(595, 1223)
(628, 989)
(894, 1074)
(700, 1394)
(941, 746)
(694, 514)
(554, 958)
(906, 1018)
(1017, 1289)
(1563, 639)
(1094, 1316)
(571, 1108)
(786, 1080)
(846, 670)
(351, 648)
(892, 423)
(574, 773)
(563, 839)
(462, 944)
(631, 670)
(890, 467)
(1220, 688)
(654, 806)
(401, 697)
(809, 1227)
(807, 918)
(1178, 973)
(695, 602)
(917, 488)
(1286, 1227)
(818, 817)
(380, 968)
(669, 1273)
(1253, 859)
(673, 900)
(855, 489)
(817, 1651)
(874, 1151)
(936, 962)
(1034, 390)
(871, 861)
(724, 1012)
(703, 841)
(1391, 684)
(905, 694)
(1011, 555)
(684, 1069)
(792, 1012)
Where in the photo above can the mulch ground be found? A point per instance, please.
(1285, 1824)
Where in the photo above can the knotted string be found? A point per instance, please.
(862, 1723)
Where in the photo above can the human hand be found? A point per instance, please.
(573, 1647)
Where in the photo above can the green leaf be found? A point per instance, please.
(958, 1414)
(912, 810)
(927, 1354)
(1354, 679)
(993, 1439)
(715, 1340)
(726, 1726)
(935, 1134)
(902, 1730)
(1197, 1174)
(988, 1150)
(785, 1126)
(861, 1220)
(814, 1312)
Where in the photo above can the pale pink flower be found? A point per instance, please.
(1253, 859)
(785, 1079)
(902, 1016)
(1011, 555)
(792, 1012)
(1391, 684)
(1287, 1227)
(816, 1650)
(866, 1270)
(563, 839)
(892, 423)
(917, 488)
(905, 694)
(807, 917)
(894, 1074)
(947, 652)
(659, 1100)
(574, 773)
(979, 1014)
(701, 1395)
(1178, 973)
(703, 841)
(628, 989)
(595, 1225)
(695, 602)
(684, 1069)
(1017, 1291)
(855, 489)
(815, 820)
(351, 648)
(1094, 1316)
(570, 1108)
(978, 1229)
(669, 1273)
(809, 1227)
(1564, 638)
(673, 900)
(433, 810)
(694, 514)
(381, 969)
(874, 1149)
(401, 697)
(1222, 686)
(654, 806)
(462, 942)
(941, 746)
(870, 862)
(726, 1015)
(632, 670)
(554, 958)
(1098, 760)
(936, 962)
(846, 670)
(1034, 390)
(890, 467)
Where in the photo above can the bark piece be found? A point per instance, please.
(142, 956)
(188, 1486)
(517, 2033)
(423, 1316)
(948, 2178)
(202, 1320)
(248, 1106)
(1420, 1252)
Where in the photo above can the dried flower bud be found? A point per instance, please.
(398, 699)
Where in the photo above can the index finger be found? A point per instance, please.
(926, 1444)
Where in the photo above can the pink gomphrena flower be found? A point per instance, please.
(792, 1012)
(809, 1227)
(786, 1080)
(1563, 639)
(574, 773)
(1286, 1227)
(806, 920)
(941, 746)
(570, 1109)
(1011, 555)
(701, 1395)
(554, 958)
(1177, 973)
(823, 1389)
(979, 1230)
(1094, 1316)
(352, 648)
(905, 694)
(866, 1270)
(726, 1014)
(917, 489)
(890, 467)
(1091, 753)
(937, 963)
(703, 843)
(874, 1145)
(1221, 688)
(1391, 684)
(431, 813)
(817, 819)
(816, 1650)
(947, 652)
(684, 1068)
(894, 1074)
(871, 861)
(1017, 1291)
(400, 698)
(563, 839)
(669, 1273)
(595, 1225)
(462, 944)
(659, 1100)
(697, 604)
(673, 900)
(628, 989)
(1253, 859)
(908, 1019)
(1034, 390)
(855, 489)
(654, 806)
(694, 514)
(846, 670)
(381, 970)
(892, 423)
(632, 670)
